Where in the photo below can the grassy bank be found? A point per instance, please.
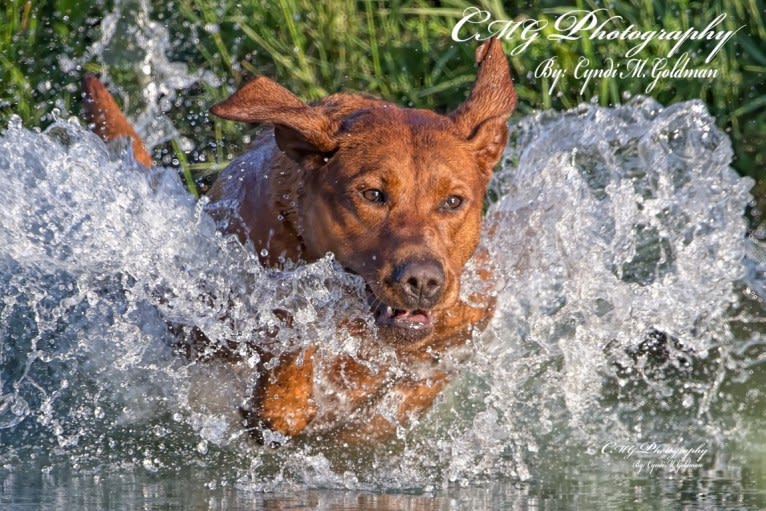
(399, 50)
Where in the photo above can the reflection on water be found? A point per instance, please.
(189, 489)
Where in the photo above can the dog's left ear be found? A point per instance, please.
(481, 119)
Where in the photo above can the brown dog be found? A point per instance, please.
(396, 194)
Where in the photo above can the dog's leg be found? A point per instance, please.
(284, 400)
(402, 402)
(417, 396)
(108, 121)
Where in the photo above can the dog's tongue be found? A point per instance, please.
(415, 316)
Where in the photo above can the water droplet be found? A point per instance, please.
(150, 465)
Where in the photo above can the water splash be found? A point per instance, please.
(624, 250)
(137, 49)
(628, 311)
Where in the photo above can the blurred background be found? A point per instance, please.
(185, 55)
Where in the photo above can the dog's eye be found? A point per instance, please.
(374, 195)
(452, 202)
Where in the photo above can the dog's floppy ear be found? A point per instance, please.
(481, 119)
(300, 129)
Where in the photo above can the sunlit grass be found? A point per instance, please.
(400, 50)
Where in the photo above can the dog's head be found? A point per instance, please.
(395, 193)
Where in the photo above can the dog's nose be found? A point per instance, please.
(420, 282)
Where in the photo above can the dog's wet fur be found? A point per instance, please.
(396, 194)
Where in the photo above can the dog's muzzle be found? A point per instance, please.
(418, 285)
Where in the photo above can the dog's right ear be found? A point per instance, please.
(300, 129)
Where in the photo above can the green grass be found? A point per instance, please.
(400, 50)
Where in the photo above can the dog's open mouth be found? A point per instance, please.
(399, 324)
(404, 324)
(417, 319)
